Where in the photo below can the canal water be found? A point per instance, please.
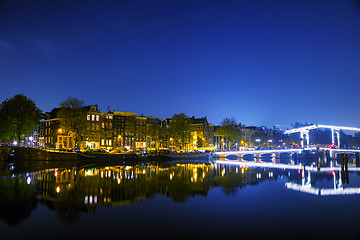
(192, 199)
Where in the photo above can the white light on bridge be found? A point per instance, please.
(259, 164)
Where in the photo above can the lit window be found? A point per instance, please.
(97, 117)
(109, 142)
(102, 141)
(103, 125)
(92, 117)
(88, 117)
(110, 117)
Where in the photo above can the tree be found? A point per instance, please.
(155, 132)
(299, 124)
(18, 117)
(230, 131)
(72, 116)
(179, 129)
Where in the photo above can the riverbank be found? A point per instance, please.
(27, 154)
(12, 153)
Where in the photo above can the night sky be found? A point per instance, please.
(261, 62)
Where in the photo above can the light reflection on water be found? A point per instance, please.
(220, 191)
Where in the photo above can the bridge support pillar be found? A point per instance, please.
(295, 157)
(306, 134)
(257, 157)
(337, 132)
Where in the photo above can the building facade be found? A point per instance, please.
(124, 131)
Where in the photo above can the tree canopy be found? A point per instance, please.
(18, 117)
(230, 130)
(179, 129)
(155, 132)
(72, 116)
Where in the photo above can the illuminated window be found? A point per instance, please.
(92, 117)
(110, 142)
(97, 117)
(110, 117)
(102, 142)
(103, 125)
(88, 117)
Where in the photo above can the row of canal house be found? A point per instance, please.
(123, 130)
(126, 130)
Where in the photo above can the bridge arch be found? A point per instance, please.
(249, 157)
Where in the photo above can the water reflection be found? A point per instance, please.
(72, 190)
(327, 181)
(17, 200)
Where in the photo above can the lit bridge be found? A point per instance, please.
(305, 132)
(275, 153)
(259, 153)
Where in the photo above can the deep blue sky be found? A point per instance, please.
(261, 62)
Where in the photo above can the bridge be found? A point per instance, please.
(335, 130)
(275, 153)
(258, 153)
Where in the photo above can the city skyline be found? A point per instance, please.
(263, 63)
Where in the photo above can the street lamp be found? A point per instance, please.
(257, 141)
